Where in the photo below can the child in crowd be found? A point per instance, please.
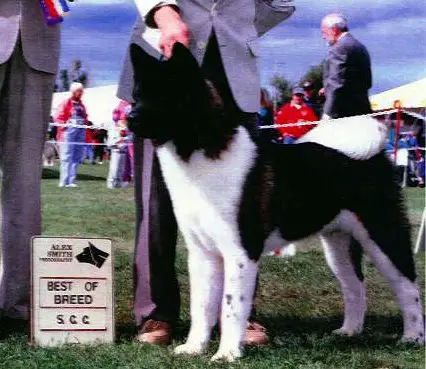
(118, 139)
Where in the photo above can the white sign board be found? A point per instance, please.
(72, 291)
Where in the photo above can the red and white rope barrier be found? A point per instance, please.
(298, 124)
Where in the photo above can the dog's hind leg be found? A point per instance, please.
(406, 291)
(206, 285)
(344, 260)
(391, 253)
(240, 281)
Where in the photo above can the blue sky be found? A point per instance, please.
(97, 32)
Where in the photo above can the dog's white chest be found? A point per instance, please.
(206, 193)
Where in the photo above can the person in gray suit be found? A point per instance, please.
(29, 53)
(347, 78)
(222, 36)
(347, 70)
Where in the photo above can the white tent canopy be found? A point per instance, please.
(411, 95)
(99, 101)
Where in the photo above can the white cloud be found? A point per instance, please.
(393, 31)
(365, 9)
(404, 26)
(397, 47)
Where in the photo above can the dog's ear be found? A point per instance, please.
(183, 60)
(181, 54)
(143, 63)
(186, 67)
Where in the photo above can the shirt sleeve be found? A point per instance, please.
(147, 8)
(63, 112)
(311, 117)
(270, 13)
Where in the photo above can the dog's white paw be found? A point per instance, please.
(227, 355)
(190, 349)
(418, 339)
(346, 332)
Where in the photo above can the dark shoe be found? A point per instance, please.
(256, 335)
(155, 332)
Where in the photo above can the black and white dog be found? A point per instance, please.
(235, 199)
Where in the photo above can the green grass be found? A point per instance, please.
(299, 300)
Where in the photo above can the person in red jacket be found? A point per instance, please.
(294, 112)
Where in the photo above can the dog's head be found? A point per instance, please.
(165, 92)
(174, 102)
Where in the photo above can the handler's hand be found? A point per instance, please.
(172, 27)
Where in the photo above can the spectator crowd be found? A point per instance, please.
(344, 93)
(74, 139)
(115, 143)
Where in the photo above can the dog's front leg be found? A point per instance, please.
(206, 284)
(240, 280)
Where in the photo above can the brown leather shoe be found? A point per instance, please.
(256, 335)
(154, 332)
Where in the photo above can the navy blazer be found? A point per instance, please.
(347, 78)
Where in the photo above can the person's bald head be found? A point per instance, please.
(332, 27)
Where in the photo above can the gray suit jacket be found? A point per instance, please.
(347, 78)
(40, 43)
(237, 24)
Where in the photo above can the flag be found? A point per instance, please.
(54, 10)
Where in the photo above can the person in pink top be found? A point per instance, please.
(120, 113)
(118, 138)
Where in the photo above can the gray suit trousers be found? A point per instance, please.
(25, 101)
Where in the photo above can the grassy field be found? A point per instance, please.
(299, 300)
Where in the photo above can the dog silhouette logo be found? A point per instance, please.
(92, 255)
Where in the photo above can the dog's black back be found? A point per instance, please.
(310, 185)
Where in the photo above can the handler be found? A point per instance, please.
(221, 35)
(29, 52)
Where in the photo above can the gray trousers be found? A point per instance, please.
(116, 168)
(25, 102)
(156, 287)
